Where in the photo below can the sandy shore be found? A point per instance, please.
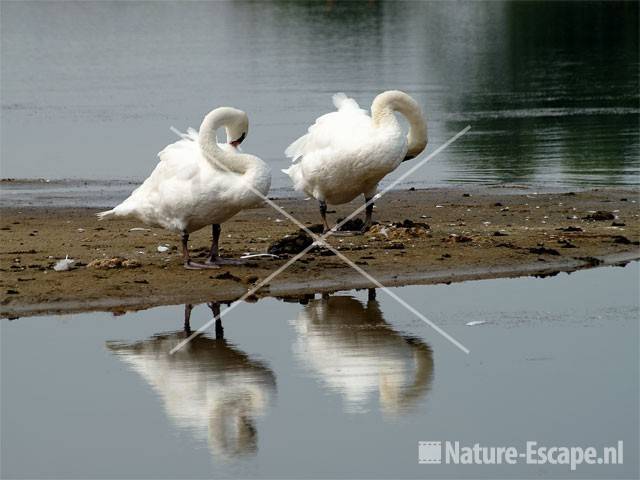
(468, 234)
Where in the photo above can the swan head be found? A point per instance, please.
(234, 121)
(237, 128)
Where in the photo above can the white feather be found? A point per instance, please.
(64, 264)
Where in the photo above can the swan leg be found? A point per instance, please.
(323, 214)
(368, 214)
(188, 263)
(215, 309)
(214, 258)
(187, 318)
(334, 232)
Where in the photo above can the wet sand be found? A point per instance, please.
(469, 234)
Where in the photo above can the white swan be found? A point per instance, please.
(209, 387)
(346, 153)
(199, 182)
(354, 352)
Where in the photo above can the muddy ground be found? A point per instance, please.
(467, 234)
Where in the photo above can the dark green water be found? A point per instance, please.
(550, 89)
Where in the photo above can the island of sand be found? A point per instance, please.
(422, 236)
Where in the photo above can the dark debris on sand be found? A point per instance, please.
(570, 228)
(600, 216)
(292, 244)
(541, 250)
(351, 225)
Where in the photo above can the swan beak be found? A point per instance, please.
(237, 142)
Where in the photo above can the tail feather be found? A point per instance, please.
(295, 173)
(340, 100)
(106, 214)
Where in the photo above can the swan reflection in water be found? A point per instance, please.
(208, 387)
(351, 348)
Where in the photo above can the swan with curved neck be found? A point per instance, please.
(210, 388)
(347, 152)
(200, 182)
(349, 346)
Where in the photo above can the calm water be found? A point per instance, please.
(337, 387)
(89, 90)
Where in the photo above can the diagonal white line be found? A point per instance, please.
(402, 302)
(321, 240)
(365, 274)
(403, 176)
(242, 298)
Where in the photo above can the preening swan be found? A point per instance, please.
(199, 182)
(351, 349)
(346, 153)
(209, 387)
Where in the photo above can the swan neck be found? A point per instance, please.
(222, 158)
(382, 112)
(208, 139)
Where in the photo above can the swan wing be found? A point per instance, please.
(180, 161)
(169, 181)
(186, 151)
(339, 130)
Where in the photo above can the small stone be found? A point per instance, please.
(454, 238)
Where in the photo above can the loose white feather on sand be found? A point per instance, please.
(64, 264)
